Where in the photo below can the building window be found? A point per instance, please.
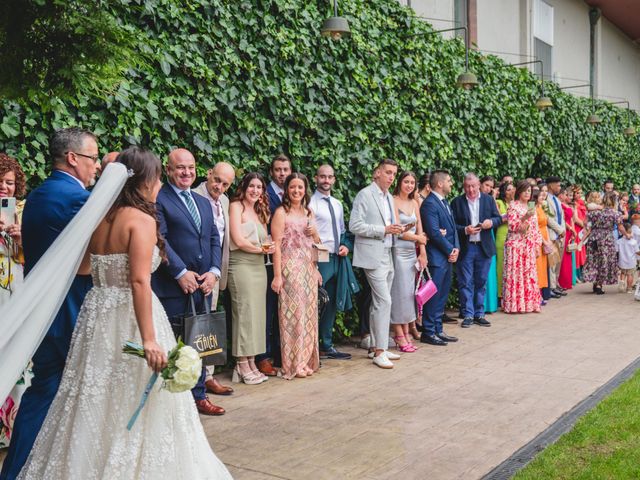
(543, 36)
(460, 15)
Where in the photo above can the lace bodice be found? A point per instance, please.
(294, 236)
(113, 270)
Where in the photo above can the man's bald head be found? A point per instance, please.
(181, 168)
(219, 179)
(325, 178)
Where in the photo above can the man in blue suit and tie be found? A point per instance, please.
(476, 214)
(193, 248)
(279, 170)
(442, 252)
(48, 210)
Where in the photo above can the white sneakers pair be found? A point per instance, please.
(384, 359)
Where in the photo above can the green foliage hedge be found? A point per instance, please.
(242, 80)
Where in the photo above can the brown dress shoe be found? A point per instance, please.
(205, 407)
(266, 367)
(215, 387)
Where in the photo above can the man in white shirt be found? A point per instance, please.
(374, 225)
(219, 179)
(330, 224)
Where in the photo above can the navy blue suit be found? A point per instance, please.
(273, 327)
(187, 248)
(475, 258)
(48, 210)
(435, 215)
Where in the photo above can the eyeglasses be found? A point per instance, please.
(94, 158)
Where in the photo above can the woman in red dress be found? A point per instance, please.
(580, 222)
(520, 291)
(565, 279)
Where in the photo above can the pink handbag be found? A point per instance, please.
(425, 289)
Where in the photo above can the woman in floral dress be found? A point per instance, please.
(601, 266)
(12, 184)
(296, 279)
(520, 291)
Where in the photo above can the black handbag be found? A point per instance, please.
(323, 299)
(205, 332)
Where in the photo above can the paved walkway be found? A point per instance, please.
(444, 412)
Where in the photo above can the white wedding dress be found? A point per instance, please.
(84, 435)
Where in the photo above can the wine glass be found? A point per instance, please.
(267, 243)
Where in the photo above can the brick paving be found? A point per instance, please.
(450, 412)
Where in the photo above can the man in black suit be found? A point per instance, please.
(279, 170)
(476, 214)
(193, 249)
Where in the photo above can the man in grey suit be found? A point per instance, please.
(557, 226)
(219, 179)
(374, 224)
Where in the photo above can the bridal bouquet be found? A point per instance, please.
(183, 369)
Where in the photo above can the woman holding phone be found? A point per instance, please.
(520, 288)
(12, 186)
(405, 260)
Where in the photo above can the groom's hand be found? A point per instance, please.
(208, 281)
(189, 282)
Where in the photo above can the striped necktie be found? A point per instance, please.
(191, 206)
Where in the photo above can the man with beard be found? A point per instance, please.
(330, 223)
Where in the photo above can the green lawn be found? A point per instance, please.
(604, 444)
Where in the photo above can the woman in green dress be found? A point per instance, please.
(247, 278)
(487, 185)
(505, 197)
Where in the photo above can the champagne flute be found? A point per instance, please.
(267, 243)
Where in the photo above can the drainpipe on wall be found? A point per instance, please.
(594, 16)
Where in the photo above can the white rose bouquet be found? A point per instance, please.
(183, 369)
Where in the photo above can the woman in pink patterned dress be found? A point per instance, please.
(296, 279)
(521, 293)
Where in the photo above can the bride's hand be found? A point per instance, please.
(155, 355)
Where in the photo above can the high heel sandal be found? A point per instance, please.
(248, 378)
(406, 348)
(260, 375)
(413, 330)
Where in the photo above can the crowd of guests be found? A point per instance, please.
(264, 250)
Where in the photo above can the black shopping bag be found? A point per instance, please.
(205, 332)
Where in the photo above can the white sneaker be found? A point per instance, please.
(391, 355)
(366, 342)
(382, 361)
(388, 354)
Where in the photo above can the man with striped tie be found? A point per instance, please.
(193, 250)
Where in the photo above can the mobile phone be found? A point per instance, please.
(8, 210)
(479, 225)
(408, 226)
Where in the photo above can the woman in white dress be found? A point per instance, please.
(84, 435)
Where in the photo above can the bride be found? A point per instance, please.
(84, 435)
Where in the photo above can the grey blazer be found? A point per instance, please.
(556, 229)
(367, 224)
(224, 201)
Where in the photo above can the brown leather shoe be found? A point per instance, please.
(205, 407)
(266, 367)
(215, 387)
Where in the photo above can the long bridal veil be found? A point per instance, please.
(25, 319)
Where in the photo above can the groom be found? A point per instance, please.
(48, 210)
(193, 249)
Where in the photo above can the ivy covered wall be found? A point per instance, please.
(243, 80)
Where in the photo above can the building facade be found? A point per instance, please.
(558, 33)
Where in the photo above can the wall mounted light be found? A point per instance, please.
(630, 130)
(335, 27)
(466, 79)
(543, 102)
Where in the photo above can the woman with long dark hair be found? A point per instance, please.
(404, 311)
(296, 279)
(505, 197)
(81, 425)
(247, 277)
(520, 288)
